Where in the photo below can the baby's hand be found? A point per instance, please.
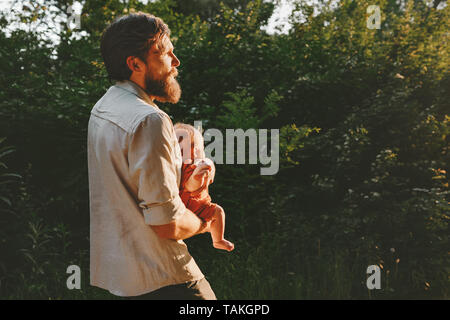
(204, 171)
(202, 176)
(201, 170)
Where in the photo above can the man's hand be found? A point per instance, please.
(206, 227)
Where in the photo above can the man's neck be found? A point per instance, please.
(141, 85)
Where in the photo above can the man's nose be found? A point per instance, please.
(175, 61)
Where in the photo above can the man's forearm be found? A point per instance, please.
(184, 227)
(188, 225)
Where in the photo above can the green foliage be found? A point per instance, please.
(364, 130)
(6, 178)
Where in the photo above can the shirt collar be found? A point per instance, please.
(135, 89)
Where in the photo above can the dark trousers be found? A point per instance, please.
(194, 290)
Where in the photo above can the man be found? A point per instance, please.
(138, 221)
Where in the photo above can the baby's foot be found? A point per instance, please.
(224, 245)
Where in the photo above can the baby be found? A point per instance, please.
(197, 173)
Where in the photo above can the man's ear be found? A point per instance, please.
(135, 64)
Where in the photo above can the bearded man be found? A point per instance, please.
(137, 219)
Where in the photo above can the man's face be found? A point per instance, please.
(161, 71)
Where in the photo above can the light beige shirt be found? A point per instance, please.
(134, 163)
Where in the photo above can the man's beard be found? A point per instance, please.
(164, 90)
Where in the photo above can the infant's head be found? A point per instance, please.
(191, 142)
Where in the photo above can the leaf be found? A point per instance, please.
(6, 152)
(6, 200)
(13, 175)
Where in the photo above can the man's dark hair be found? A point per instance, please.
(130, 35)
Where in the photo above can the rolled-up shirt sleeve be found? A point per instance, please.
(151, 157)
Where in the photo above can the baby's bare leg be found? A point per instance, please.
(218, 230)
